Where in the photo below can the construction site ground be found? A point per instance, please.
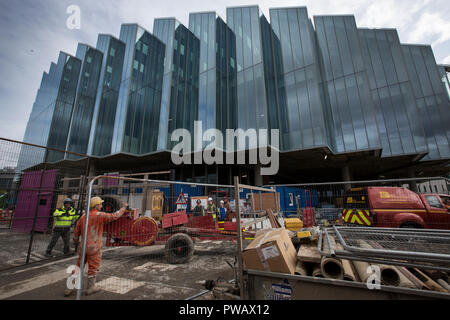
(126, 273)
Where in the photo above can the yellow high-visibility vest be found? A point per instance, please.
(63, 220)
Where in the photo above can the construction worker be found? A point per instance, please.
(93, 257)
(222, 211)
(63, 219)
(211, 208)
(199, 211)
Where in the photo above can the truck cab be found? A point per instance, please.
(396, 207)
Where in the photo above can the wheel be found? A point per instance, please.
(411, 225)
(179, 248)
(144, 231)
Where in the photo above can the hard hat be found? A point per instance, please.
(210, 199)
(199, 201)
(221, 201)
(95, 201)
(68, 200)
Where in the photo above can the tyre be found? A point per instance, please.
(411, 225)
(179, 248)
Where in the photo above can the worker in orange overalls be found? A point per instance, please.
(93, 257)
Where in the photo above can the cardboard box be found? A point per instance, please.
(273, 251)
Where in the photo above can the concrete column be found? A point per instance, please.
(346, 176)
(258, 176)
(412, 184)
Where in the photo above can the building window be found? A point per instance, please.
(112, 52)
(89, 59)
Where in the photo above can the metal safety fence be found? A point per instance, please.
(168, 239)
(34, 182)
(405, 203)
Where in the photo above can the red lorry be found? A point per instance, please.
(396, 207)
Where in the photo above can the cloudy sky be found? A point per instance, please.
(33, 32)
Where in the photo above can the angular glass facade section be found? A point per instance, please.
(274, 80)
(251, 97)
(218, 96)
(39, 122)
(400, 126)
(431, 97)
(306, 109)
(62, 115)
(80, 127)
(346, 85)
(138, 111)
(107, 95)
(226, 77)
(181, 79)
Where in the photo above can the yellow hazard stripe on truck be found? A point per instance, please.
(357, 216)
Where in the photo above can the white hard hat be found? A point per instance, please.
(221, 201)
(210, 199)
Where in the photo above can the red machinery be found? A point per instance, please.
(176, 230)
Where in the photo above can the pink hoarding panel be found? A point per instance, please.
(28, 200)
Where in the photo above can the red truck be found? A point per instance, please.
(396, 207)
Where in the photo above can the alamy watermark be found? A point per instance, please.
(373, 282)
(74, 20)
(215, 153)
(73, 282)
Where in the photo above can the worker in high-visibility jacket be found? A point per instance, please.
(63, 219)
(93, 254)
(199, 211)
(211, 208)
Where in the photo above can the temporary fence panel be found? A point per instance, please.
(165, 245)
(383, 203)
(31, 189)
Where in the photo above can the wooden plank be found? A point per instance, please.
(309, 253)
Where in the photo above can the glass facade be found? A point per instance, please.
(251, 89)
(431, 98)
(137, 115)
(331, 87)
(305, 104)
(80, 127)
(274, 80)
(217, 92)
(401, 130)
(107, 95)
(180, 92)
(353, 115)
(63, 109)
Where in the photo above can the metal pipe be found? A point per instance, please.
(353, 257)
(239, 238)
(83, 248)
(445, 258)
(330, 246)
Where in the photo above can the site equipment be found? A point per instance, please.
(396, 207)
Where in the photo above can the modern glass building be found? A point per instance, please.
(348, 101)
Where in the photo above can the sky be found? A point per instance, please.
(32, 32)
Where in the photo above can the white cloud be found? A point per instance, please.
(446, 60)
(430, 26)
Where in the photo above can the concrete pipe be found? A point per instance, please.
(349, 275)
(300, 269)
(444, 284)
(317, 272)
(389, 275)
(361, 268)
(332, 268)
